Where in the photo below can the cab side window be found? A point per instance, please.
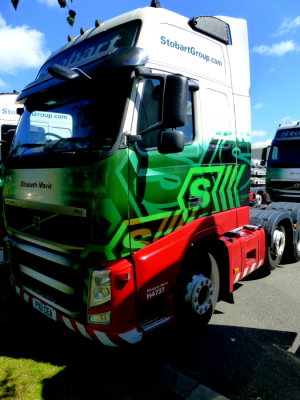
(188, 128)
(150, 114)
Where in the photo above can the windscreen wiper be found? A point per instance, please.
(70, 140)
(26, 146)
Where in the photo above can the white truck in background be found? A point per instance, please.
(283, 164)
(275, 169)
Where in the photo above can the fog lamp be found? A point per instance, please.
(101, 318)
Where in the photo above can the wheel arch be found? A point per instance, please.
(269, 219)
(292, 254)
(208, 245)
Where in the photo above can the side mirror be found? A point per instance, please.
(264, 155)
(175, 101)
(63, 73)
(170, 142)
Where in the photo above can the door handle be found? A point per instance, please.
(195, 201)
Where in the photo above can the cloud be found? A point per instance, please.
(277, 49)
(50, 3)
(288, 25)
(2, 22)
(265, 143)
(285, 120)
(257, 106)
(21, 48)
(3, 84)
(271, 70)
(258, 133)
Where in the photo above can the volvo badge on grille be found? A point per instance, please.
(36, 223)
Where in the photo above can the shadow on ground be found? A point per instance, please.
(239, 363)
(91, 371)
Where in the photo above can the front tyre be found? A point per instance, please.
(201, 289)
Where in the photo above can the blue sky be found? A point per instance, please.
(38, 27)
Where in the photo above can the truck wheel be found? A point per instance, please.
(276, 249)
(258, 198)
(201, 290)
(297, 245)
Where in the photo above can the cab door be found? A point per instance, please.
(157, 202)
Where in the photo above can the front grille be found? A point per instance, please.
(45, 245)
(67, 226)
(286, 185)
(49, 275)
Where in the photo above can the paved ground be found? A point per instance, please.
(251, 349)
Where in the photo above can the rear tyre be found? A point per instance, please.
(297, 244)
(276, 249)
(258, 198)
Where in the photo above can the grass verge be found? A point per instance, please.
(22, 379)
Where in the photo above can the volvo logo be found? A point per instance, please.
(36, 223)
(297, 185)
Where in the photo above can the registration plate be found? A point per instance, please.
(44, 309)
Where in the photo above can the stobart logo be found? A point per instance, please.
(189, 50)
(210, 190)
(205, 191)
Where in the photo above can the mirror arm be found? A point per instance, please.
(82, 73)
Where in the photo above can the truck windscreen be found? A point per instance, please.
(95, 48)
(79, 117)
(285, 154)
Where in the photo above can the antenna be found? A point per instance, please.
(155, 4)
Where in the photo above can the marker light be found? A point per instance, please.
(100, 288)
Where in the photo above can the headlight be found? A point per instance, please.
(100, 288)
